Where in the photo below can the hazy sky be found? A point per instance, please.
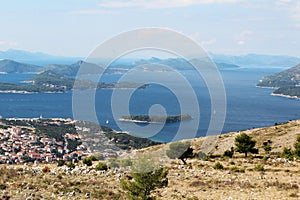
(76, 27)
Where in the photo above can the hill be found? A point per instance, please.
(286, 82)
(212, 177)
(71, 70)
(10, 66)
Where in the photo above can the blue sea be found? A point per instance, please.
(247, 106)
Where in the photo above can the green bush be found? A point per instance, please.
(101, 166)
(113, 163)
(297, 147)
(236, 169)
(143, 183)
(232, 162)
(70, 165)
(218, 165)
(287, 153)
(229, 153)
(180, 150)
(259, 168)
(60, 163)
(126, 162)
(87, 161)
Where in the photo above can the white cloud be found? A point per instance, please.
(8, 43)
(93, 12)
(209, 42)
(156, 4)
(296, 11)
(241, 42)
(244, 36)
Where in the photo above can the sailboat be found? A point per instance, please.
(107, 122)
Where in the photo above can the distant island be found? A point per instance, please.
(51, 82)
(285, 83)
(147, 119)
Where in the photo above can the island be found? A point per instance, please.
(147, 119)
(52, 82)
(285, 83)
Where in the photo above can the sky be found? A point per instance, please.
(76, 27)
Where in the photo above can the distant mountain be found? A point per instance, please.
(10, 66)
(180, 63)
(257, 60)
(287, 82)
(37, 58)
(71, 70)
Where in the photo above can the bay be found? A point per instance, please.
(247, 106)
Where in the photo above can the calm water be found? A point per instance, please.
(247, 106)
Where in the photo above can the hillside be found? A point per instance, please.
(289, 77)
(257, 177)
(71, 70)
(10, 66)
(286, 82)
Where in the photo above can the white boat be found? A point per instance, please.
(107, 122)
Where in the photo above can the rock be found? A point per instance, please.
(87, 195)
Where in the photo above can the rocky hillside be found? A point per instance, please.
(263, 176)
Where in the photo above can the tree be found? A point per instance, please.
(87, 161)
(144, 178)
(297, 146)
(180, 150)
(244, 144)
(101, 166)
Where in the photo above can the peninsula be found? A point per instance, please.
(285, 83)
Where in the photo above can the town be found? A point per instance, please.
(20, 144)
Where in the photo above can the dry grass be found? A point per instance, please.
(239, 179)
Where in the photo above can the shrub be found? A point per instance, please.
(218, 165)
(70, 165)
(46, 169)
(236, 169)
(126, 162)
(2, 186)
(297, 146)
(87, 161)
(60, 163)
(101, 166)
(232, 162)
(99, 156)
(113, 163)
(93, 158)
(143, 183)
(229, 153)
(244, 144)
(180, 150)
(259, 168)
(287, 153)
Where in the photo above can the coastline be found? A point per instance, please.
(285, 96)
(266, 87)
(137, 121)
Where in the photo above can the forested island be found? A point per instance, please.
(50, 81)
(155, 119)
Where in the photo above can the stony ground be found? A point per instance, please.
(240, 178)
